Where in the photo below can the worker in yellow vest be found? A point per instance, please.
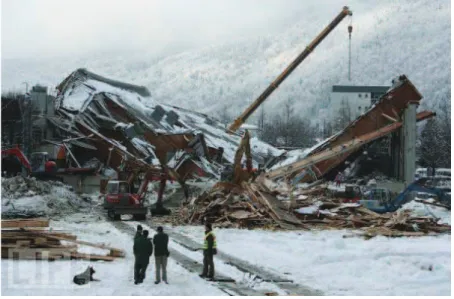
(209, 250)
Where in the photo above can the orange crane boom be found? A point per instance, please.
(274, 85)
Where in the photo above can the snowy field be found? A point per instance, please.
(323, 260)
(345, 266)
(41, 278)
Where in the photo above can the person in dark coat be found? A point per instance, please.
(143, 249)
(209, 250)
(161, 253)
(138, 232)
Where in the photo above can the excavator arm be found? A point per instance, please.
(275, 84)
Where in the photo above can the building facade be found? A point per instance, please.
(357, 99)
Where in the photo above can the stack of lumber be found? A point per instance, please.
(32, 239)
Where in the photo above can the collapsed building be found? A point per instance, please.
(106, 124)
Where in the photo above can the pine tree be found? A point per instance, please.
(431, 151)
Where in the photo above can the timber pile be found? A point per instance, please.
(228, 205)
(254, 205)
(32, 239)
(353, 216)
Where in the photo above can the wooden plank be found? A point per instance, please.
(91, 257)
(43, 248)
(34, 253)
(7, 234)
(34, 222)
(117, 251)
(273, 204)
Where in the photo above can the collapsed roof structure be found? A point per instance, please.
(383, 118)
(128, 127)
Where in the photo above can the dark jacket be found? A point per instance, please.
(160, 241)
(138, 234)
(143, 249)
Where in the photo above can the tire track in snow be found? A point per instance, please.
(258, 273)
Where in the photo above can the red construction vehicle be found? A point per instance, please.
(14, 161)
(121, 200)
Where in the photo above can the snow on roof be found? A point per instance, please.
(81, 87)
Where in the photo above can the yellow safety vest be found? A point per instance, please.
(205, 243)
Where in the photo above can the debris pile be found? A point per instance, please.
(31, 198)
(254, 205)
(32, 239)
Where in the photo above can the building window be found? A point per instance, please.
(359, 108)
(365, 95)
(359, 95)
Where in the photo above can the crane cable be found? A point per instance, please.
(350, 29)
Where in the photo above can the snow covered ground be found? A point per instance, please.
(41, 278)
(322, 260)
(345, 266)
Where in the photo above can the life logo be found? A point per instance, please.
(27, 269)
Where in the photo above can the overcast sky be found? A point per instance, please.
(34, 28)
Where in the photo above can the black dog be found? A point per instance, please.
(85, 277)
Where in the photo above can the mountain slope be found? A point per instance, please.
(389, 39)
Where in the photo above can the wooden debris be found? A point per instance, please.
(256, 206)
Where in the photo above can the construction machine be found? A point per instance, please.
(15, 162)
(40, 166)
(381, 200)
(120, 198)
(119, 203)
(275, 84)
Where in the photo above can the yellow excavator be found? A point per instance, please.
(275, 84)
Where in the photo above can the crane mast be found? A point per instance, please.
(275, 84)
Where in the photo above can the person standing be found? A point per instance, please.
(138, 232)
(209, 250)
(161, 253)
(143, 249)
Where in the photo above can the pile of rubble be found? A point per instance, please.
(32, 239)
(254, 205)
(30, 198)
(18, 186)
(229, 206)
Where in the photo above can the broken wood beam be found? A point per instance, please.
(21, 223)
(91, 257)
(389, 117)
(113, 251)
